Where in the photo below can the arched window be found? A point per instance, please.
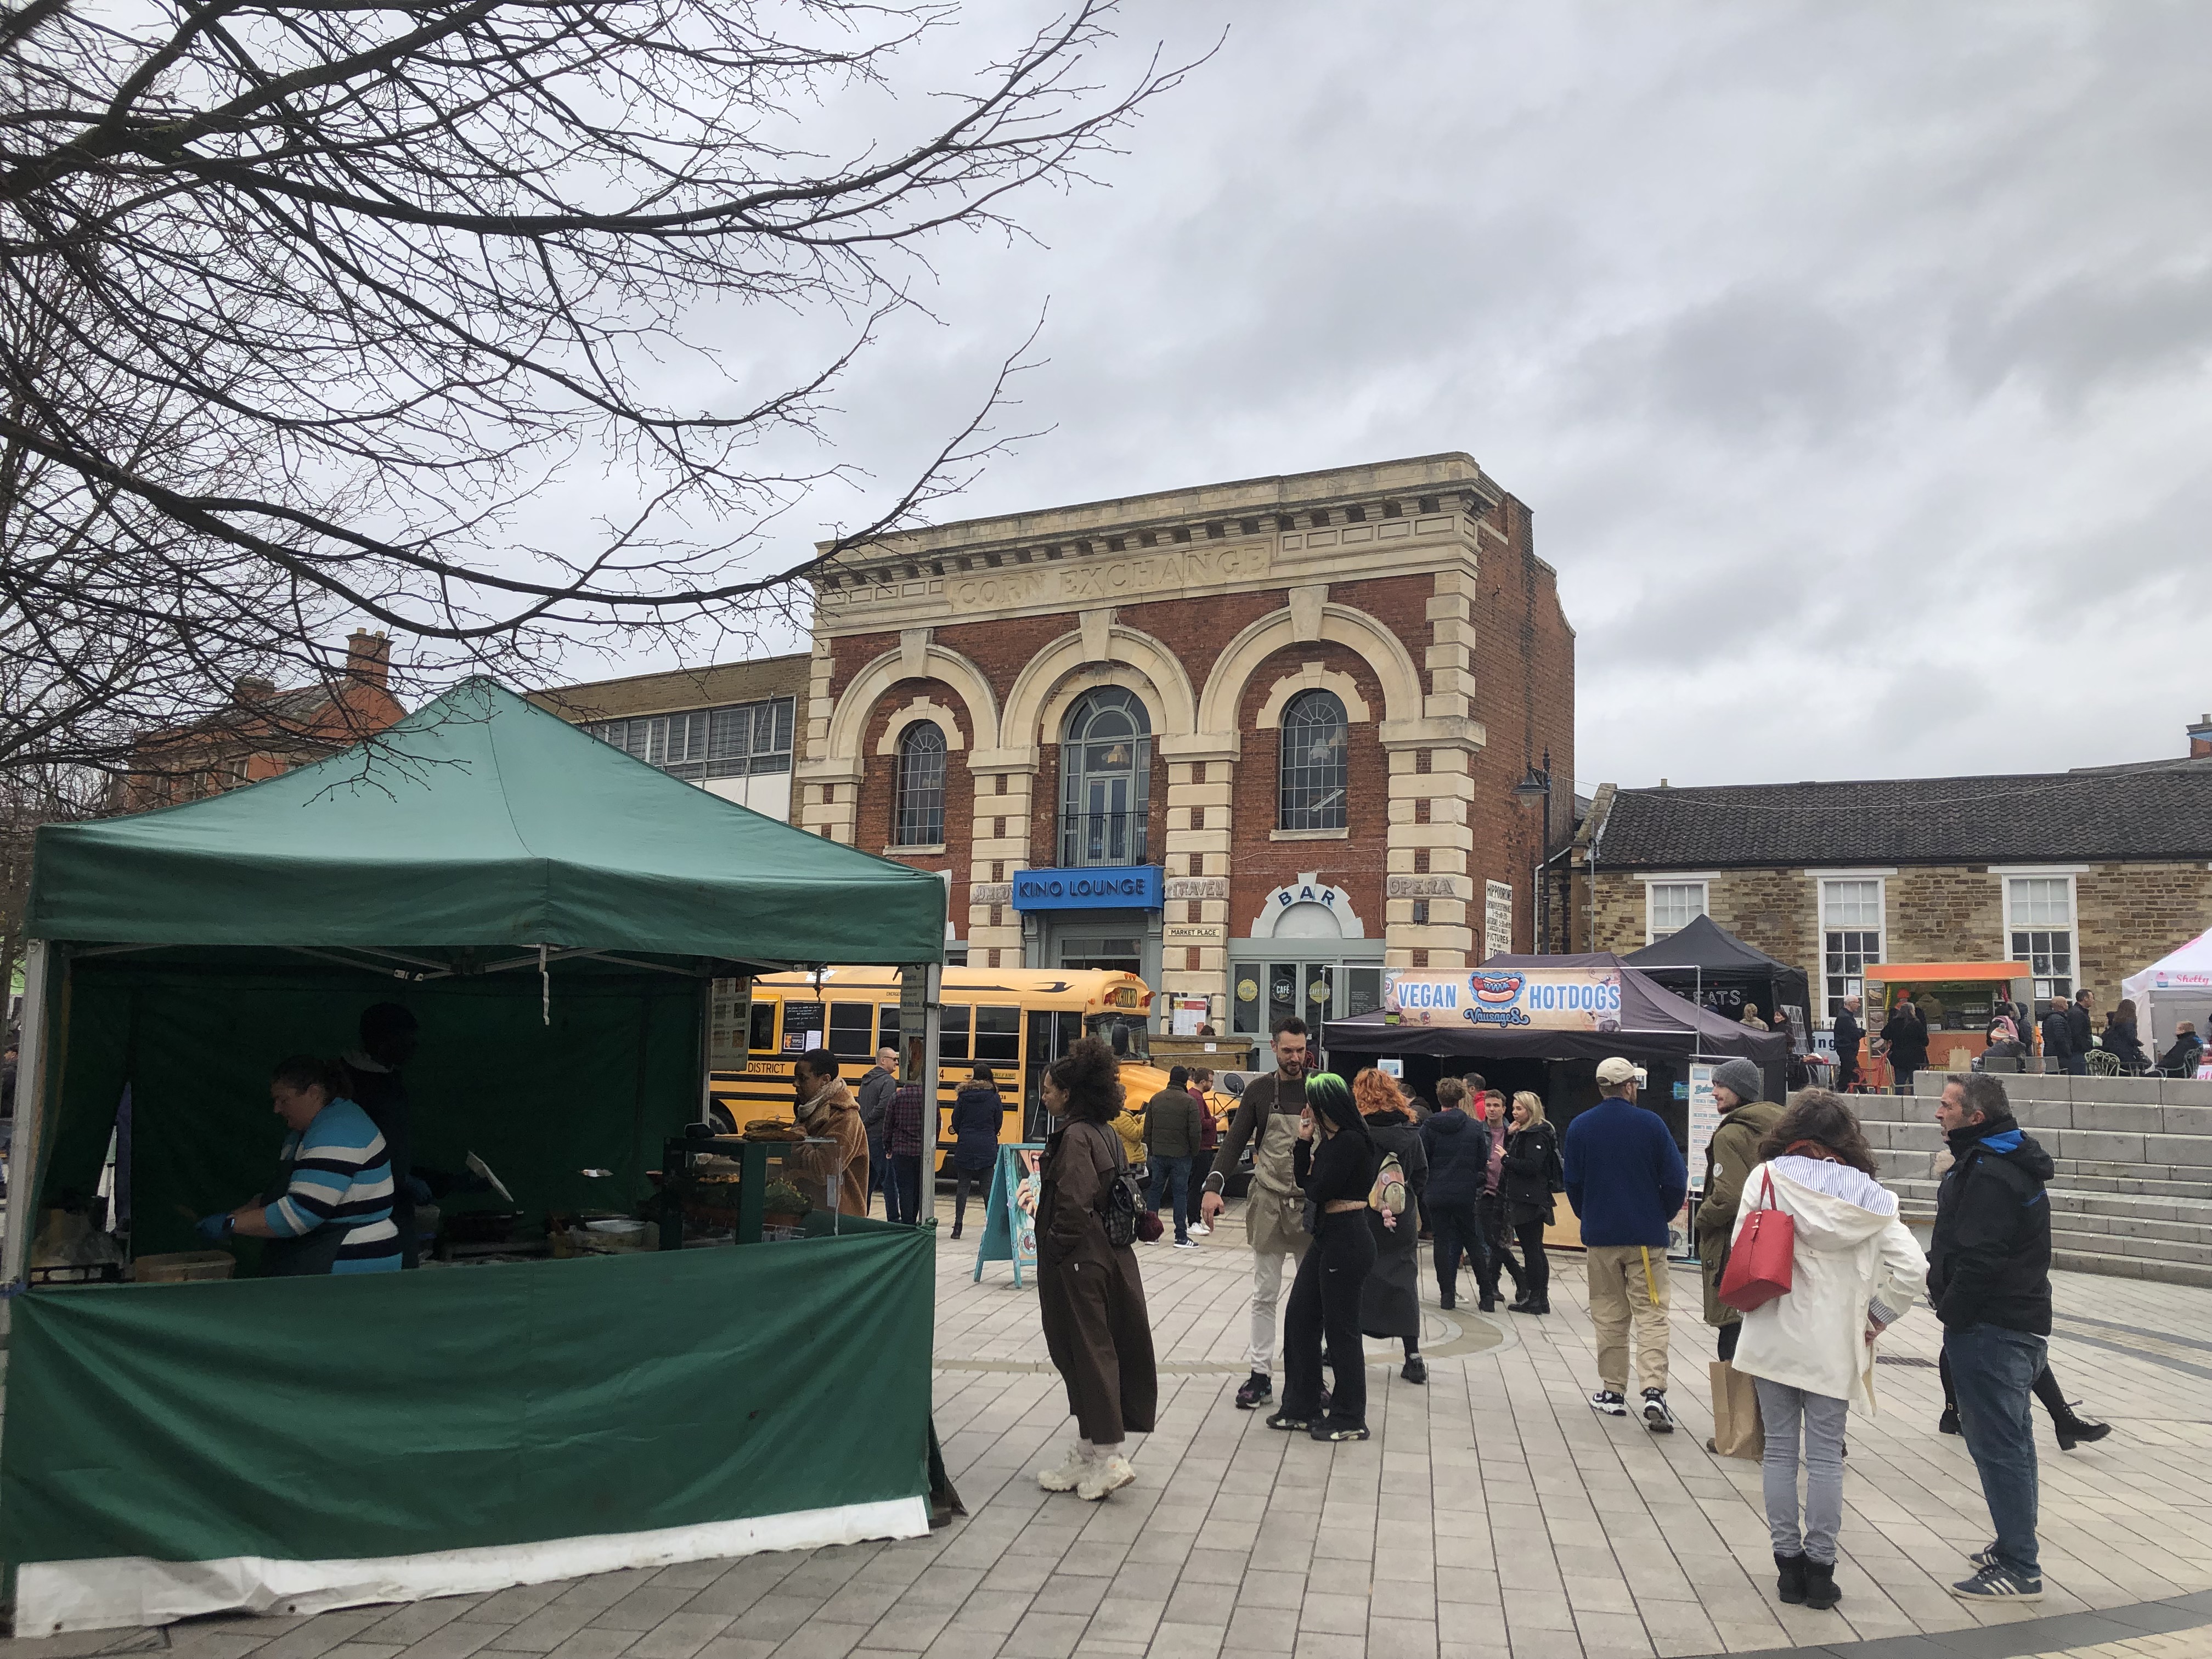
(1313, 776)
(1106, 764)
(920, 816)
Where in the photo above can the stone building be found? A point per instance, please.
(1255, 741)
(2086, 876)
(263, 732)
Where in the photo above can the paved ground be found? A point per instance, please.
(1493, 1516)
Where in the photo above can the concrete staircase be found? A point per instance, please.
(2132, 1196)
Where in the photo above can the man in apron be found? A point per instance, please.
(1267, 1119)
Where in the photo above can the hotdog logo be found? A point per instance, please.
(1496, 990)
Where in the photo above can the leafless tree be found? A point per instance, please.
(303, 300)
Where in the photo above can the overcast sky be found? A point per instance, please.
(1854, 359)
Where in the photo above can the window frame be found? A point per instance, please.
(911, 828)
(1703, 884)
(1310, 817)
(650, 738)
(1822, 926)
(2046, 985)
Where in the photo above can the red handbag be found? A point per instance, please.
(1759, 1261)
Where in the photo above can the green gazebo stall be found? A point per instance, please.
(555, 913)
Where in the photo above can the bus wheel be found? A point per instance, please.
(718, 1119)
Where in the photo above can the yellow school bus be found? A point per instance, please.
(1015, 1020)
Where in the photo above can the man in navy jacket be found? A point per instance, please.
(1626, 1180)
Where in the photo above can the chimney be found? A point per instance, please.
(250, 689)
(368, 658)
(2200, 738)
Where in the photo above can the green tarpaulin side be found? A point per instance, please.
(601, 1087)
(481, 820)
(308, 1419)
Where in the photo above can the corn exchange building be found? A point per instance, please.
(1255, 741)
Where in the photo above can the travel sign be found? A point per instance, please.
(1549, 999)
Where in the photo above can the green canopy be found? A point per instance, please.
(481, 820)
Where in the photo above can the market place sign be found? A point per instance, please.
(1547, 999)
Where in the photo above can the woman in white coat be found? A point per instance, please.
(1855, 1270)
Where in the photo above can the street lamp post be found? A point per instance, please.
(1538, 782)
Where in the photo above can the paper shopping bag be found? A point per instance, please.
(1737, 1432)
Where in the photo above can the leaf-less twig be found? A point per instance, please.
(301, 301)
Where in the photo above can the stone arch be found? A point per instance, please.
(923, 707)
(848, 723)
(1066, 669)
(1339, 625)
(1312, 676)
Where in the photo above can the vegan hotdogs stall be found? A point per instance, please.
(567, 932)
(1542, 1024)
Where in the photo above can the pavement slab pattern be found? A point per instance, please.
(1493, 1516)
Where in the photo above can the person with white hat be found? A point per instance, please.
(1626, 1180)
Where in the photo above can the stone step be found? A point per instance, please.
(2193, 1181)
(2041, 1116)
(2149, 1142)
(2132, 1267)
(2073, 1200)
(2024, 1086)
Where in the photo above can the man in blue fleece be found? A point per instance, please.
(1626, 1180)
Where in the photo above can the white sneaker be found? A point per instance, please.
(1070, 1472)
(1103, 1475)
(1201, 1230)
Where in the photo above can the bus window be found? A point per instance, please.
(852, 1026)
(762, 1040)
(998, 1036)
(952, 1032)
(1127, 1034)
(887, 1023)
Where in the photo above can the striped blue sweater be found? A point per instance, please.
(342, 1178)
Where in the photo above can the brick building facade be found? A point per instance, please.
(2086, 876)
(1256, 740)
(264, 732)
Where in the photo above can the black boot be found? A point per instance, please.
(1790, 1584)
(1948, 1423)
(2072, 1429)
(1820, 1591)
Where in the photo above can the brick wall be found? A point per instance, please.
(1259, 864)
(2131, 915)
(875, 821)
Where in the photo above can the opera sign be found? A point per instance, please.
(1547, 998)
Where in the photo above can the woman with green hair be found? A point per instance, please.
(1334, 1163)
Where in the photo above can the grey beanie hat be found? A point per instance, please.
(1740, 1077)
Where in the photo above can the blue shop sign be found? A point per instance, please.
(1123, 887)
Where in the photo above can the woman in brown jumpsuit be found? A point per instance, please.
(1089, 1294)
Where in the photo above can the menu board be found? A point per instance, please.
(803, 1025)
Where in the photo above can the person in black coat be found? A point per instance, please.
(2081, 1032)
(1905, 1040)
(2121, 1041)
(1531, 1169)
(2187, 1053)
(1849, 1034)
(1390, 1300)
(1458, 1150)
(1333, 1162)
(978, 1113)
(2058, 1038)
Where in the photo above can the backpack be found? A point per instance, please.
(1389, 1195)
(1121, 1206)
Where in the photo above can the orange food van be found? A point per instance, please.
(1958, 998)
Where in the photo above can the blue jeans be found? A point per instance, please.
(1994, 1370)
(1171, 1180)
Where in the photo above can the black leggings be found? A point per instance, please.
(1324, 1307)
(1734, 1329)
(1536, 1265)
(2046, 1389)
(961, 1180)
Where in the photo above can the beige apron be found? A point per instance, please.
(1274, 1210)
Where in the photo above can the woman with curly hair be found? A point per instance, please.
(1390, 1300)
(1334, 1163)
(1853, 1268)
(1090, 1295)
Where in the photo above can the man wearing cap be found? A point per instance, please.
(1626, 1180)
